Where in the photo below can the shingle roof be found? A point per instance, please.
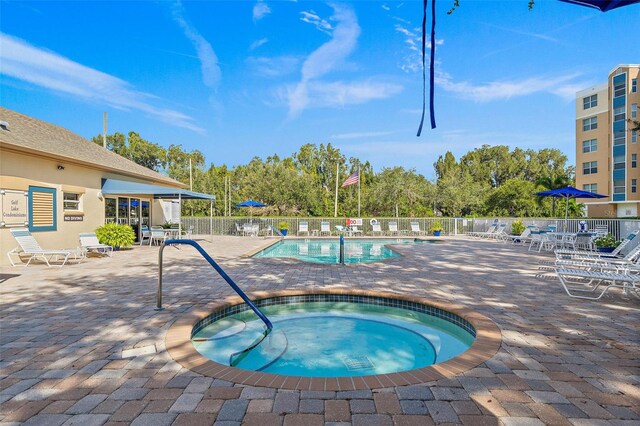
(27, 133)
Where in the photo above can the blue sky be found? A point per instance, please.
(238, 79)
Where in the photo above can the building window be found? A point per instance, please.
(618, 162)
(619, 114)
(634, 85)
(591, 187)
(590, 123)
(42, 209)
(618, 186)
(634, 185)
(590, 101)
(634, 136)
(619, 137)
(619, 89)
(634, 110)
(634, 161)
(590, 146)
(590, 168)
(71, 201)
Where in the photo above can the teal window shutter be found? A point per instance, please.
(42, 209)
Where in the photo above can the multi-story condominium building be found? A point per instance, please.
(607, 149)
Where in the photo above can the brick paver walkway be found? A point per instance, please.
(82, 345)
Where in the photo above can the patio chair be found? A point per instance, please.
(303, 227)
(28, 246)
(393, 228)
(238, 229)
(145, 234)
(415, 229)
(89, 242)
(627, 281)
(343, 230)
(630, 259)
(566, 254)
(158, 235)
(355, 230)
(523, 238)
(376, 228)
(500, 233)
(325, 227)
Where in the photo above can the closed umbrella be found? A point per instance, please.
(566, 193)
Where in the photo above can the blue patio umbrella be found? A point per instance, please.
(566, 193)
(602, 5)
(250, 203)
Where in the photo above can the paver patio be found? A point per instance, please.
(83, 344)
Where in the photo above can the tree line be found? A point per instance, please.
(490, 180)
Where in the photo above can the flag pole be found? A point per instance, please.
(335, 206)
(359, 187)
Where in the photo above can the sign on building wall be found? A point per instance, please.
(15, 208)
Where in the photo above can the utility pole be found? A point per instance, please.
(104, 129)
(335, 207)
(190, 177)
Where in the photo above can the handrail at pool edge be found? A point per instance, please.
(218, 269)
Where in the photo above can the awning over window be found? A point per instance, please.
(121, 187)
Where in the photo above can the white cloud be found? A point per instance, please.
(274, 67)
(321, 24)
(211, 73)
(25, 62)
(360, 135)
(326, 58)
(563, 85)
(340, 93)
(260, 10)
(258, 43)
(412, 61)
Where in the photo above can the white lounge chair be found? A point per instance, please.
(627, 281)
(303, 228)
(479, 234)
(376, 229)
(28, 246)
(569, 254)
(89, 242)
(354, 230)
(523, 238)
(393, 228)
(415, 229)
(325, 228)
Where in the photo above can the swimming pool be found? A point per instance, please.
(333, 336)
(328, 251)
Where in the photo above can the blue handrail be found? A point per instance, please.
(218, 269)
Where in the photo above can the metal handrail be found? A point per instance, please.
(218, 269)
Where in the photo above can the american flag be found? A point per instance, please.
(351, 180)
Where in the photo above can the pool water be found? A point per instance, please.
(332, 339)
(328, 251)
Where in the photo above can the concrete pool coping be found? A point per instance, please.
(180, 348)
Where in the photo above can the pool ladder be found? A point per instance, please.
(219, 270)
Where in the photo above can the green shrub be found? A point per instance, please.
(517, 227)
(607, 241)
(283, 226)
(116, 235)
(436, 226)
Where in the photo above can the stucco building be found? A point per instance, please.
(607, 148)
(59, 184)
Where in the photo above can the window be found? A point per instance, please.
(590, 101)
(619, 113)
(618, 162)
(42, 209)
(634, 161)
(619, 89)
(634, 136)
(619, 137)
(590, 123)
(590, 167)
(634, 110)
(590, 146)
(591, 187)
(70, 201)
(634, 85)
(618, 186)
(634, 185)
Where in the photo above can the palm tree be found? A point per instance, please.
(551, 183)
